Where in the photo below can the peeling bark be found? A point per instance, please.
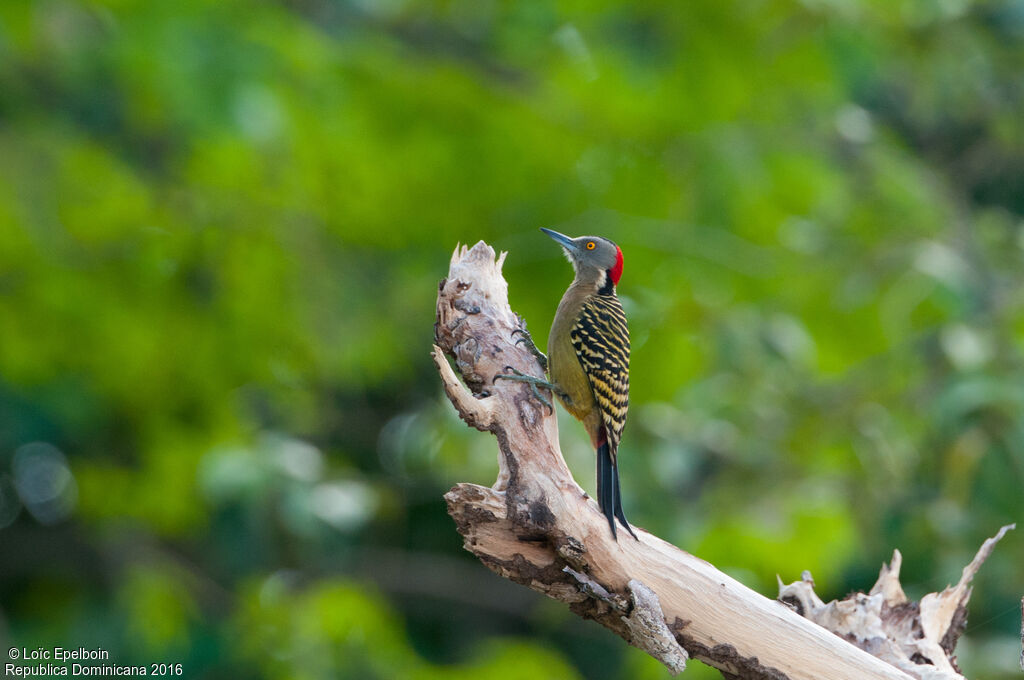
(537, 527)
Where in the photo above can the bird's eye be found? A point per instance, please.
(591, 245)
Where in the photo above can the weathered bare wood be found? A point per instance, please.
(537, 527)
(917, 637)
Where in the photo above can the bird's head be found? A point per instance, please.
(592, 257)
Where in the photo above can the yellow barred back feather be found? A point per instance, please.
(601, 340)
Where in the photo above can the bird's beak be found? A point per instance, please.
(562, 239)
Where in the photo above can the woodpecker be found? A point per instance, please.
(588, 358)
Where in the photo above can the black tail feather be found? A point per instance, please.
(618, 502)
(606, 485)
(608, 497)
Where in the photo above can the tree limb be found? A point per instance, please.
(917, 637)
(537, 527)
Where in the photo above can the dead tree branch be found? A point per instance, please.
(537, 527)
(917, 637)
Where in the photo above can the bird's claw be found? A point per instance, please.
(533, 382)
(525, 337)
(542, 399)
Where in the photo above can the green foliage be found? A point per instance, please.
(221, 226)
(339, 630)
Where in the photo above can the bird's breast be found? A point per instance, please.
(564, 365)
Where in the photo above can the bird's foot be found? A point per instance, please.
(533, 382)
(527, 339)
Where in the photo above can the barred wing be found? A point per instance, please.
(601, 340)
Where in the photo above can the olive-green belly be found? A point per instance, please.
(567, 372)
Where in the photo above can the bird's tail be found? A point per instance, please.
(608, 496)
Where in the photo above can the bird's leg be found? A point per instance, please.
(519, 376)
(527, 339)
